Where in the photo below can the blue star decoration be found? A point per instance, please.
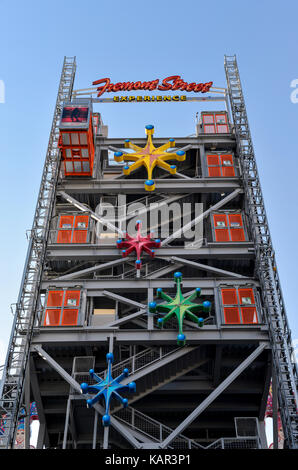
(107, 388)
(180, 306)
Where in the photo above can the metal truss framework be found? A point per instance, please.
(161, 366)
(280, 334)
(27, 305)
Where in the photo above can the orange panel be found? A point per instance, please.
(212, 160)
(208, 118)
(229, 297)
(214, 171)
(228, 169)
(222, 129)
(249, 315)
(72, 298)
(236, 227)
(55, 298)
(222, 235)
(80, 220)
(246, 296)
(231, 315)
(66, 221)
(209, 128)
(70, 317)
(79, 236)
(220, 118)
(220, 220)
(64, 236)
(52, 317)
(237, 235)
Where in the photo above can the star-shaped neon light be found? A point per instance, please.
(149, 157)
(138, 244)
(107, 388)
(181, 307)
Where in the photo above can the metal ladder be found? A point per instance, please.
(280, 336)
(12, 385)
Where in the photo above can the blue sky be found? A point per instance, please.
(142, 41)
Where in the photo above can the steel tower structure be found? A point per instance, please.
(81, 298)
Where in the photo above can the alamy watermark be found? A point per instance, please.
(167, 221)
(294, 94)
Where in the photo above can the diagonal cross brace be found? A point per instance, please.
(207, 268)
(201, 217)
(205, 403)
(74, 384)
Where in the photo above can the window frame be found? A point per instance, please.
(73, 229)
(239, 305)
(63, 307)
(228, 226)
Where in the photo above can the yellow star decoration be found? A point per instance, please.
(149, 157)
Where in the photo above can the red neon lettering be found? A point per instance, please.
(103, 88)
(165, 86)
(206, 87)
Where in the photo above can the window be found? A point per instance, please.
(73, 229)
(228, 228)
(62, 308)
(215, 123)
(239, 306)
(77, 151)
(220, 165)
(221, 123)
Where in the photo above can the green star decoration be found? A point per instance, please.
(181, 307)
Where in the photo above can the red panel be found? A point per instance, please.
(221, 233)
(222, 129)
(228, 169)
(79, 236)
(231, 315)
(72, 298)
(80, 220)
(70, 317)
(209, 129)
(229, 296)
(236, 228)
(213, 170)
(208, 118)
(220, 118)
(52, 317)
(64, 236)
(55, 298)
(249, 315)
(212, 160)
(246, 297)
(66, 220)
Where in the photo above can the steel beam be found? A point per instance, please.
(210, 334)
(74, 384)
(136, 186)
(234, 250)
(98, 287)
(185, 423)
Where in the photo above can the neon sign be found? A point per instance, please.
(174, 83)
